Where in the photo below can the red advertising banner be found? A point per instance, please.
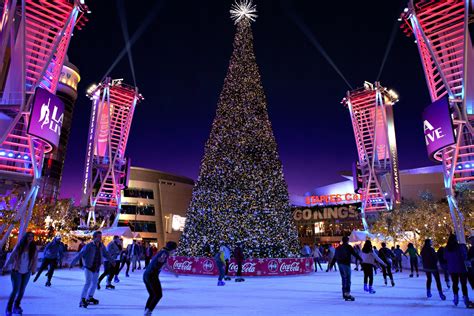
(250, 267)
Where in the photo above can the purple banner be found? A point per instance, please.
(46, 117)
(438, 127)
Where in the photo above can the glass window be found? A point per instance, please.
(139, 226)
(135, 209)
(138, 193)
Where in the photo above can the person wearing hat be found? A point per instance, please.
(152, 273)
(51, 255)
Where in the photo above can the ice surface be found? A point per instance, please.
(315, 294)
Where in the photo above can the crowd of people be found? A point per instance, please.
(455, 261)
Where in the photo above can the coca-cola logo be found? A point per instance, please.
(248, 267)
(272, 266)
(183, 266)
(293, 267)
(208, 265)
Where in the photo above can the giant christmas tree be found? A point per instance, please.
(241, 194)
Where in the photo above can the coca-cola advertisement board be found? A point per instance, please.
(250, 267)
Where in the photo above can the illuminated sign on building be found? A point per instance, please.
(335, 212)
(333, 198)
(177, 223)
(438, 126)
(46, 117)
(90, 142)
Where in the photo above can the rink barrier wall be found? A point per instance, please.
(250, 267)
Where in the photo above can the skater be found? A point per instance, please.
(357, 261)
(455, 255)
(470, 259)
(430, 265)
(398, 254)
(92, 254)
(51, 255)
(306, 251)
(152, 273)
(134, 254)
(331, 254)
(317, 258)
(219, 257)
(342, 256)
(444, 265)
(413, 253)
(110, 267)
(369, 258)
(227, 261)
(387, 256)
(124, 260)
(148, 254)
(239, 259)
(23, 260)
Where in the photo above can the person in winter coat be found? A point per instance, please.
(387, 256)
(369, 258)
(456, 254)
(51, 255)
(219, 257)
(357, 261)
(152, 273)
(23, 260)
(413, 253)
(134, 254)
(398, 254)
(239, 259)
(444, 265)
(317, 255)
(331, 254)
(227, 255)
(91, 255)
(470, 259)
(430, 265)
(306, 251)
(110, 267)
(342, 256)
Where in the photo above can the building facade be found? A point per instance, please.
(155, 204)
(54, 161)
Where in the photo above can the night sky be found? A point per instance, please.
(182, 58)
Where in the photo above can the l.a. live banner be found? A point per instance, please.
(438, 127)
(250, 267)
(46, 117)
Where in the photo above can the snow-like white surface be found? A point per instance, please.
(315, 294)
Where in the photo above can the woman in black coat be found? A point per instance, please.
(430, 265)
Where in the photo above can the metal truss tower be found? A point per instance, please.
(34, 38)
(444, 40)
(371, 113)
(106, 168)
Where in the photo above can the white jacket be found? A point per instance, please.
(370, 258)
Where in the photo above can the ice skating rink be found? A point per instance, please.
(315, 294)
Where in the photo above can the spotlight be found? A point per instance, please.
(10, 155)
(3, 153)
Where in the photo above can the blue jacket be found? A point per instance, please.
(53, 250)
(456, 259)
(87, 254)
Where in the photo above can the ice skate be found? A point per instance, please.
(428, 293)
(366, 288)
(147, 312)
(227, 278)
(48, 284)
(220, 283)
(442, 296)
(393, 283)
(17, 310)
(83, 303)
(92, 301)
(8, 313)
(109, 287)
(371, 290)
(456, 299)
(467, 302)
(348, 297)
(116, 279)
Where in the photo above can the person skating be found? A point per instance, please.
(413, 253)
(387, 257)
(357, 261)
(331, 254)
(110, 268)
(470, 262)
(124, 260)
(219, 257)
(227, 255)
(148, 254)
(133, 254)
(430, 265)
(91, 254)
(317, 258)
(444, 265)
(51, 255)
(342, 256)
(456, 254)
(23, 260)
(398, 254)
(239, 259)
(369, 258)
(152, 273)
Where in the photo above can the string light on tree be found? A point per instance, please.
(241, 194)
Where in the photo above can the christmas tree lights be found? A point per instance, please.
(240, 194)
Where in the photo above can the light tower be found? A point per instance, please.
(34, 38)
(441, 31)
(113, 105)
(376, 171)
